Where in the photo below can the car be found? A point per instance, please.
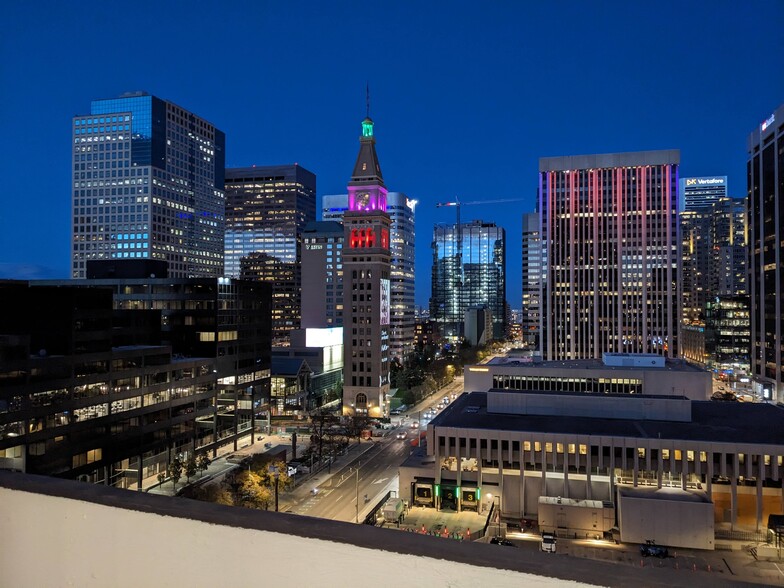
(649, 548)
(401, 435)
(504, 542)
(548, 543)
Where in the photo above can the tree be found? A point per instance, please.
(355, 425)
(191, 467)
(203, 462)
(321, 423)
(215, 493)
(251, 492)
(175, 470)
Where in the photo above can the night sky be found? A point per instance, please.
(466, 96)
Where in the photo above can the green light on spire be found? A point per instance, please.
(367, 128)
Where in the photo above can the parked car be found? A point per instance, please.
(649, 548)
(504, 542)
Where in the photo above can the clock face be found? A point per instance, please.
(362, 200)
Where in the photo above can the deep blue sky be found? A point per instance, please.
(466, 96)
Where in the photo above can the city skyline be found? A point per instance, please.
(473, 94)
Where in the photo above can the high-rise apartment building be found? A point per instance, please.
(322, 275)
(532, 278)
(147, 184)
(701, 193)
(367, 271)
(469, 269)
(610, 238)
(765, 180)
(401, 212)
(267, 208)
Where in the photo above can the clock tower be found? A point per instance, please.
(366, 286)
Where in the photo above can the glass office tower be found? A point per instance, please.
(469, 267)
(267, 208)
(147, 184)
(765, 170)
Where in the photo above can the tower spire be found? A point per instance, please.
(367, 99)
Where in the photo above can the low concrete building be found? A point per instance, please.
(616, 373)
(522, 446)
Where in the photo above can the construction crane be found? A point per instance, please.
(457, 204)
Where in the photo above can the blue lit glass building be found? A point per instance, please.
(148, 182)
(267, 208)
(469, 269)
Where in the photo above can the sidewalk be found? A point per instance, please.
(220, 466)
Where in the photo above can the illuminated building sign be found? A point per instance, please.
(323, 337)
(384, 301)
(768, 122)
(705, 181)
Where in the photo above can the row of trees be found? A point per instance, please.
(253, 486)
(430, 367)
(177, 467)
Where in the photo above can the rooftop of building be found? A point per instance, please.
(608, 160)
(323, 227)
(665, 493)
(719, 422)
(670, 365)
(287, 366)
(267, 172)
(87, 517)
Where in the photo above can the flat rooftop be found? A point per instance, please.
(665, 493)
(670, 365)
(719, 422)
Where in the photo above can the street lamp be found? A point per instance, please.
(357, 490)
(275, 474)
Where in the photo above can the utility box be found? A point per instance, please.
(392, 510)
(580, 518)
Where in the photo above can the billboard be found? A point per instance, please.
(384, 301)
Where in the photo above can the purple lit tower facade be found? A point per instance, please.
(611, 251)
(366, 286)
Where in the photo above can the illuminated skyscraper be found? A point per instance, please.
(532, 278)
(366, 286)
(610, 237)
(267, 208)
(401, 212)
(701, 193)
(765, 171)
(469, 266)
(147, 184)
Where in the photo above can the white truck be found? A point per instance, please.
(548, 543)
(392, 510)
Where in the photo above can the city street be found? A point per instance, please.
(336, 496)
